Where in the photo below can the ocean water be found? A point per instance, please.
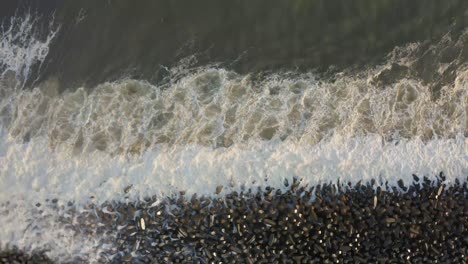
(146, 105)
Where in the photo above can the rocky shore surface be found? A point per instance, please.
(426, 222)
(15, 256)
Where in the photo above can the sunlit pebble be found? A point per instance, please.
(185, 220)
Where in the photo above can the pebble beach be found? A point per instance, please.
(423, 223)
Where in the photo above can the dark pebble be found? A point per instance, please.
(426, 223)
(14, 255)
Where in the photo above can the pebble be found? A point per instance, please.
(14, 255)
(348, 225)
(272, 226)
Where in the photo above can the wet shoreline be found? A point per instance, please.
(15, 255)
(423, 222)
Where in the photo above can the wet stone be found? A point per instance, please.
(128, 188)
(219, 189)
(15, 255)
(349, 225)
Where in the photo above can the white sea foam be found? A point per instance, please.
(32, 172)
(218, 108)
(25, 227)
(22, 47)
